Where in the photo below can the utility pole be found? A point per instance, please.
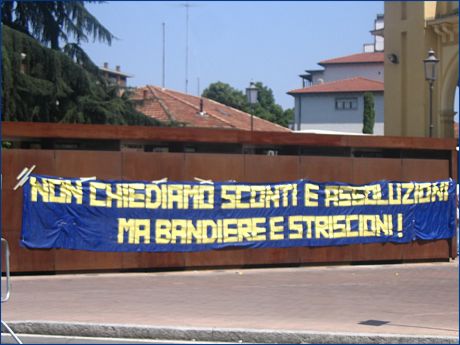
(164, 54)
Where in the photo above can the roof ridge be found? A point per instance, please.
(245, 113)
(336, 82)
(160, 101)
(196, 107)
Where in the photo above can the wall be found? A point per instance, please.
(411, 29)
(318, 112)
(344, 71)
(414, 160)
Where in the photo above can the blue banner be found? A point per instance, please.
(125, 216)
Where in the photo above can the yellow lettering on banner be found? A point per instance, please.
(368, 225)
(331, 196)
(152, 196)
(56, 191)
(297, 228)
(276, 230)
(206, 203)
(321, 227)
(179, 231)
(228, 195)
(162, 231)
(38, 189)
(339, 227)
(257, 192)
(408, 189)
(445, 188)
(258, 229)
(93, 187)
(230, 230)
(349, 227)
(211, 232)
(311, 195)
(136, 228)
(72, 191)
(359, 195)
(394, 199)
(245, 197)
(175, 196)
(58, 199)
(345, 195)
(423, 193)
(136, 200)
(272, 197)
(239, 196)
(244, 228)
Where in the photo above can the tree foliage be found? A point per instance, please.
(50, 22)
(369, 113)
(44, 85)
(265, 108)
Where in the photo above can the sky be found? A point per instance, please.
(235, 42)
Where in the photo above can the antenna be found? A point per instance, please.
(187, 6)
(164, 54)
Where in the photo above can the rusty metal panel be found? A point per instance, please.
(326, 254)
(152, 166)
(12, 209)
(271, 168)
(153, 260)
(215, 167)
(326, 169)
(367, 170)
(14, 160)
(231, 257)
(271, 256)
(425, 169)
(378, 251)
(27, 260)
(427, 250)
(103, 165)
(72, 260)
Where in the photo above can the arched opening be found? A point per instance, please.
(448, 106)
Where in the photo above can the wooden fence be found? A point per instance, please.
(352, 159)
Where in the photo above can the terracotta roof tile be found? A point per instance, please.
(356, 84)
(164, 105)
(356, 58)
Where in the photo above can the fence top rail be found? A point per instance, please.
(12, 130)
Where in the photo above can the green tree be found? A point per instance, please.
(265, 108)
(44, 85)
(369, 113)
(50, 22)
(225, 94)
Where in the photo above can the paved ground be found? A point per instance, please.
(410, 299)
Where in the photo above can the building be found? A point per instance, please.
(411, 30)
(332, 98)
(185, 110)
(337, 105)
(115, 77)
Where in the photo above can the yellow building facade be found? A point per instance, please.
(411, 30)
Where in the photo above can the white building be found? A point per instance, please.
(332, 98)
(337, 105)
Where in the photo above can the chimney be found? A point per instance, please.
(144, 94)
(117, 68)
(201, 105)
(106, 65)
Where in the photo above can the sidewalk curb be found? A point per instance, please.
(234, 335)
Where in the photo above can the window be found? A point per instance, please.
(349, 103)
